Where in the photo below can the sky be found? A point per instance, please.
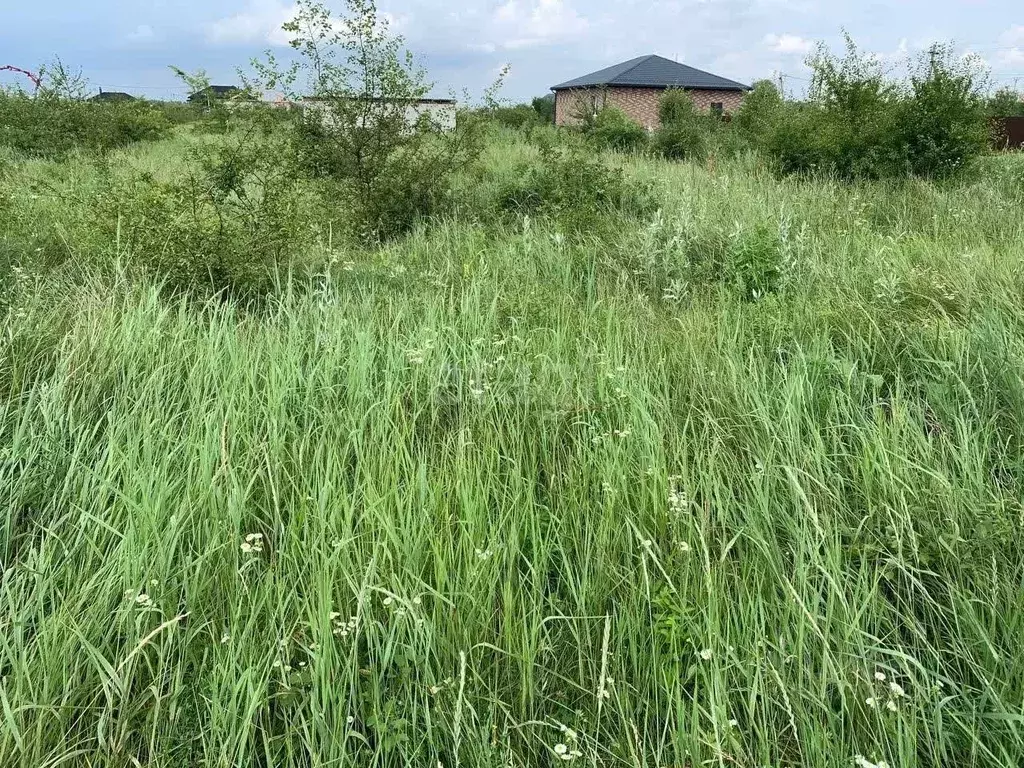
(129, 45)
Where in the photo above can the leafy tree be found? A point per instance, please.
(613, 129)
(1006, 102)
(760, 110)
(859, 122)
(357, 86)
(943, 121)
(544, 106)
(685, 133)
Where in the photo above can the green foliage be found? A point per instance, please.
(232, 224)
(612, 129)
(48, 126)
(544, 106)
(754, 264)
(354, 130)
(685, 133)
(859, 123)
(676, 106)
(943, 124)
(760, 111)
(688, 140)
(1005, 102)
(517, 117)
(575, 189)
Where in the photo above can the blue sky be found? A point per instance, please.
(128, 44)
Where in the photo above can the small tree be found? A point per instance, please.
(1006, 102)
(685, 133)
(944, 125)
(544, 106)
(356, 126)
(759, 111)
(613, 129)
(676, 106)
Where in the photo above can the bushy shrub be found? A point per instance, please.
(235, 220)
(754, 265)
(943, 124)
(859, 123)
(544, 106)
(682, 141)
(612, 129)
(759, 112)
(50, 127)
(685, 133)
(516, 117)
(386, 172)
(1005, 102)
(575, 189)
(676, 106)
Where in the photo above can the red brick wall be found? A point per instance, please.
(641, 104)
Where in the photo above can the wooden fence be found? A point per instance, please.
(1009, 132)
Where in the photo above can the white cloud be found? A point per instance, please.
(526, 23)
(1014, 57)
(788, 44)
(1014, 36)
(260, 23)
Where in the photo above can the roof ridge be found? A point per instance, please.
(703, 71)
(640, 60)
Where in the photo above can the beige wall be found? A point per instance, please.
(641, 104)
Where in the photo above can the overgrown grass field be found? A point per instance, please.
(738, 483)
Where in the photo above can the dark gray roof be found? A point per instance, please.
(652, 72)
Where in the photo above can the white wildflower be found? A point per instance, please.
(253, 544)
(225, 639)
(561, 749)
(897, 690)
(880, 677)
(872, 702)
(734, 723)
(891, 706)
(350, 719)
(706, 654)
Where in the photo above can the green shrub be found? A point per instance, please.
(517, 117)
(685, 133)
(50, 127)
(612, 129)
(754, 264)
(860, 124)
(759, 112)
(676, 106)
(234, 221)
(682, 141)
(1005, 102)
(544, 106)
(944, 124)
(576, 190)
(386, 173)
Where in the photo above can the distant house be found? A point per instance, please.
(440, 112)
(112, 97)
(636, 86)
(215, 93)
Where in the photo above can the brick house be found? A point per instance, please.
(636, 87)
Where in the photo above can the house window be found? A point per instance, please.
(717, 109)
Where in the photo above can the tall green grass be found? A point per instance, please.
(494, 498)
